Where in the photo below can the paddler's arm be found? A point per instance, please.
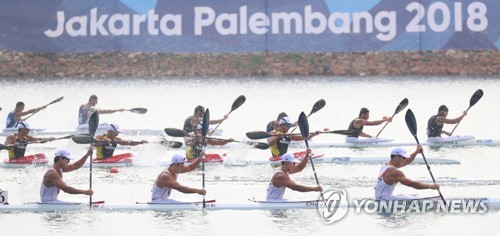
(130, 142)
(172, 183)
(410, 159)
(108, 111)
(192, 166)
(213, 122)
(60, 184)
(284, 180)
(273, 139)
(299, 167)
(76, 165)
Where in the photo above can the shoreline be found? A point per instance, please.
(144, 65)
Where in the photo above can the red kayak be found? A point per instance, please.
(120, 160)
(21, 162)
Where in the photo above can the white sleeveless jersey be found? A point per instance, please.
(274, 193)
(159, 194)
(383, 191)
(48, 194)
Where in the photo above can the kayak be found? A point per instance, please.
(38, 159)
(120, 160)
(100, 130)
(318, 159)
(367, 205)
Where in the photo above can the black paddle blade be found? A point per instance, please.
(171, 144)
(318, 106)
(342, 132)
(2, 147)
(238, 102)
(303, 125)
(57, 100)
(411, 122)
(176, 132)
(475, 97)
(258, 135)
(139, 110)
(402, 105)
(82, 139)
(206, 121)
(93, 123)
(262, 146)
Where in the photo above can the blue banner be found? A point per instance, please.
(227, 26)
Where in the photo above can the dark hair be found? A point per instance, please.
(92, 97)
(364, 110)
(56, 159)
(281, 115)
(199, 108)
(443, 108)
(19, 104)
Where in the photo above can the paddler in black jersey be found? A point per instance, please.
(107, 147)
(17, 142)
(436, 122)
(279, 144)
(358, 124)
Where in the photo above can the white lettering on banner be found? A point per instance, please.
(116, 24)
(436, 17)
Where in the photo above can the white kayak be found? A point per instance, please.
(101, 129)
(490, 203)
(454, 143)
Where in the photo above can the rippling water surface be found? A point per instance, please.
(170, 101)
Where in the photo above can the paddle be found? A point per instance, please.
(304, 130)
(84, 139)
(237, 103)
(55, 101)
(93, 123)
(138, 110)
(473, 100)
(316, 107)
(204, 131)
(411, 122)
(38, 141)
(262, 134)
(181, 133)
(402, 105)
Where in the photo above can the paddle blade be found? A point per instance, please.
(2, 147)
(411, 122)
(318, 106)
(93, 123)
(176, 132)
(57, 100)
(342, 132)
(258, 135)
(171, 144)
(262, 146)
(82, 139)
(303, 125)
(475, 97)
(402, 105)
(238, 102)
(206, 121)
(139, 110)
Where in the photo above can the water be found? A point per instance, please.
(170, 101)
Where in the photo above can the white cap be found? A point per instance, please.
(285, 121)
(289, 157)
(23, 125)
(63, 153)
(115, 128)
(399, 152)
(177, 159)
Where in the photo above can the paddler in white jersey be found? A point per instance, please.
(167, 180)
(53, 179)
(281, 179)
(389, 175)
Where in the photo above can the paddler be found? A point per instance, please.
(192, 121)
(436, 122)
(16, 115)
(279, 144)
(86, 110)
(390, 175)
(167, 180)
(18, 142)
(358, 124)
(275, 124)
(281, 179)
(107, 147)
(53, 182)
(194, 143)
